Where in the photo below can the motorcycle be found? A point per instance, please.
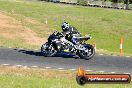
(57, 42)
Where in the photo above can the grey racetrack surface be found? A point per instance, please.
(67, 61)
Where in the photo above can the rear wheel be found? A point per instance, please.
(87, 53)
(47, 49)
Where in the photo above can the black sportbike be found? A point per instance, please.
(57, 42)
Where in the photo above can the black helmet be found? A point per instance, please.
(65, 26)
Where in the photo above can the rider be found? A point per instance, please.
(70, 32)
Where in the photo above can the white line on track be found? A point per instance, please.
(47, 67)
(126, 73)
(127, 56)
(73, 69)
(112, 72)
(18, 65)
(34, 66)
(60, 68)
(100, 71)
(5, 64)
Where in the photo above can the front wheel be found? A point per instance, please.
(87, 53)
(48, 50)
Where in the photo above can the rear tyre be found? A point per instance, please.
(87, 53)
(48, 50)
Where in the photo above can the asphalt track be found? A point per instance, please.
(34, 58)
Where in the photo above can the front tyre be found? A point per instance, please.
(48, 50)
(87, 53)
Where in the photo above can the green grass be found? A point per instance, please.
(106, 25)
(14, 81)
(32, 78)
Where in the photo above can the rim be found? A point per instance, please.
(87, 52)
(47, 49)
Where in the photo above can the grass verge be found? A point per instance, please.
(11, 77)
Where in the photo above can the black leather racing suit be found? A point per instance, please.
(71, 33)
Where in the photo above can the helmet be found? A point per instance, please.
(65, 26)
